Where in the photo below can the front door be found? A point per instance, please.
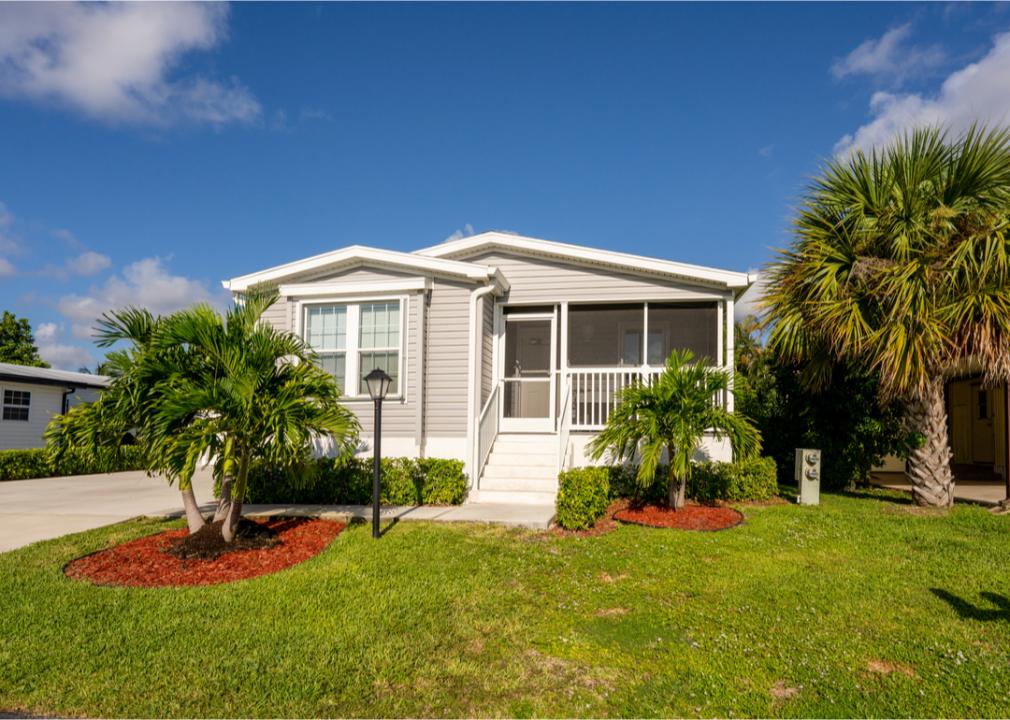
(528, 375)
(983, 439)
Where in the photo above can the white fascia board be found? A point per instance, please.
(336, 288)
(623, 261)
(363, 255)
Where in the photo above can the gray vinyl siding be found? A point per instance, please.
(445, 367)
(279, 315)
(537, 280)
(354, 274)
(486, 349)
(46, 401)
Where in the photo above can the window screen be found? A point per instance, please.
(605, 335)
(683, 326)
(379, 342)
(326, 332)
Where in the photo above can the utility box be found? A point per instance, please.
(808, 476)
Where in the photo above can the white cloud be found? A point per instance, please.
(116, 61)
(747, 304)
(145, 283)
(7, 268)
(466, 231)
(767, 151)
(88, 263)
(889, 58)
(57, 353)
(978, 92)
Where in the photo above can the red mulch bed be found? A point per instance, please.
(689, 517)
(147, 562)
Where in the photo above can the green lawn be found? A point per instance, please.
(863, 606)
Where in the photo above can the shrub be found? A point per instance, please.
(40, 463)
(348, 481)
(583, 496)
(753, 479)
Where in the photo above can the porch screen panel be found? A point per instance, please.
(605, 335)
(683, 326)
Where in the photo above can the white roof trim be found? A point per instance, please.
(30, 374)
(337, 288)
(624, 261)
(366, 255)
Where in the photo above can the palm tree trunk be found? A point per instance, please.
(224, 501)
(677, 485)
(235, 510)
(194, 519)
(929, 465)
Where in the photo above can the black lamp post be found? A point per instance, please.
(378, 384)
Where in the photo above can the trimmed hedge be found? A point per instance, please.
(348, 481)
(40, 463)
(583, 496)
(744, 480)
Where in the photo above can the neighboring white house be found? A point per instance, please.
(506, 351)
(31, 396)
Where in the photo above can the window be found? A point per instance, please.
(379, 342)
(983, 405)
(352, 339)
(16, 404)
(326, 332)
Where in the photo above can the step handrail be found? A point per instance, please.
(487, 428)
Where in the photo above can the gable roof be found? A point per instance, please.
(354, 255)
(48, 376)
(626, 262)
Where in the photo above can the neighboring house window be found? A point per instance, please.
(380, 342)
(326, 332)
(352, 339)
(16, 404)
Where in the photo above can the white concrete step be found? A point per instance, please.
(508, 483)
(527, 443)
(498, 497)
(507, 470)
(544, 462)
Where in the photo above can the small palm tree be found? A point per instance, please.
(901, 264)
(673, 414)
(197, 385)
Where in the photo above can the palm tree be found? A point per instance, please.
(197, 385)
(901, 263)
(672, 414)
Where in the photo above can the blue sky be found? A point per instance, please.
(149, 151)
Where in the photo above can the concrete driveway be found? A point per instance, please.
(33, 510)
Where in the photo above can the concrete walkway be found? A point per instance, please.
(45, 508)
(975, 491)
(514, 514)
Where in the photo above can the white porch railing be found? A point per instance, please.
(487, 428)
(564, 422)
(595, 392)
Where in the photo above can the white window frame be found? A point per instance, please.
(3, 391)
(353, 350)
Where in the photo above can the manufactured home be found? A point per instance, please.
(30, 397)
(507, 352)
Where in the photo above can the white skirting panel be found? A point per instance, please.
(451, 448)
(711, 449)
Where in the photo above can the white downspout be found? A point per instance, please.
(473, 385)
(730, 350)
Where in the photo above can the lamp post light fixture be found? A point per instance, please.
(378, 383)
